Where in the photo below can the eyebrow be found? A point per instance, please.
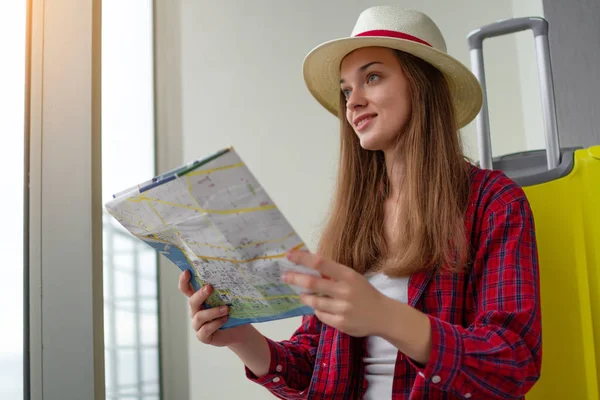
(364, 67)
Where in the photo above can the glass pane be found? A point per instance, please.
(147, 286)
(130, 279)
(126, 328)
(124, 283)
(149, 325)
(128, 370)
(150, 372)
(12, 106)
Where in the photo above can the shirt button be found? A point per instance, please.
(436, 379)
(276, 379)
(279, 368)
(468, 396)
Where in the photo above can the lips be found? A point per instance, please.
(362, 120)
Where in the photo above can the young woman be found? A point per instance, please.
(429, 265)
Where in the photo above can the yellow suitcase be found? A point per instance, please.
(563, 187)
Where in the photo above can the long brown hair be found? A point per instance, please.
(435, 188)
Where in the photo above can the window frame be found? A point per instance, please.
(173, 316)
(65, 303)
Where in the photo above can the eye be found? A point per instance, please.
(346, 93)
(373, 78)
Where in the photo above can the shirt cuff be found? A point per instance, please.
(445, 359)
(277, 375)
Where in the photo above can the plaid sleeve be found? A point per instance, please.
(499, 355)
(292, 362)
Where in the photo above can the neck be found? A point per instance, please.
(395, 172)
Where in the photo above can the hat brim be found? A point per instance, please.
(322, 65)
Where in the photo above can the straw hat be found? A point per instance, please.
(397, 28)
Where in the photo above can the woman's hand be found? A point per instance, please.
(206, 322)
(353, 306)
(244, 340)
(347, 301)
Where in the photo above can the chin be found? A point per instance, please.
(368, 143)
(369, 147)
(376, 140)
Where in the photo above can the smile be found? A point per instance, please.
(362, 121)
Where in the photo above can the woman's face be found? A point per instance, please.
(377, 96)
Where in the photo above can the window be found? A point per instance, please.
(12, 106)
(130, 266)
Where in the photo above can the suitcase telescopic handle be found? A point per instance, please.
(539, 26)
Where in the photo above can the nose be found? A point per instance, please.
(356, 99)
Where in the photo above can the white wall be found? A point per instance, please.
(528, 76)
(574, 43)
(12, 80)
(242, 86)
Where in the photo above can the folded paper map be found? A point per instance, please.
(213, 218)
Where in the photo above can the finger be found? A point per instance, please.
(332, 320)
(184, 285)
(198, 298)
(324, 304)
(312, 283)
(207, 315)
(325, 267)
(206, 331)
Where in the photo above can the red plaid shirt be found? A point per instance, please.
(485, 323)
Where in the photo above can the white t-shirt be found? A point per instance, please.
(380, 365)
